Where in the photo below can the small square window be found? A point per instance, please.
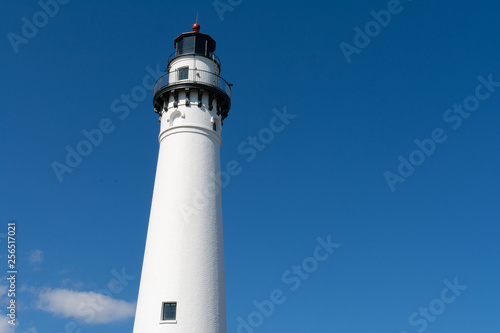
(183, 73)
(169, 311)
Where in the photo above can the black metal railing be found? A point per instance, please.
(182, 76)
(192, 51)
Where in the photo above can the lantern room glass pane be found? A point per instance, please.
(185, 45)
(200, 45)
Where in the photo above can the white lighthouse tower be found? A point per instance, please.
(182, 285)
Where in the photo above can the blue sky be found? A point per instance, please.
(416, 249)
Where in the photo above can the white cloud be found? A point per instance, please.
(3, 291)
(5, 327)
(71, 284)
(36, 258)
(88, 307)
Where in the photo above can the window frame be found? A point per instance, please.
(182, 69)
(163, 312)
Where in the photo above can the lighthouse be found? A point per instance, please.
(182, 286)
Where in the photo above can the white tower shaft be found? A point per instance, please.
(182, 285)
